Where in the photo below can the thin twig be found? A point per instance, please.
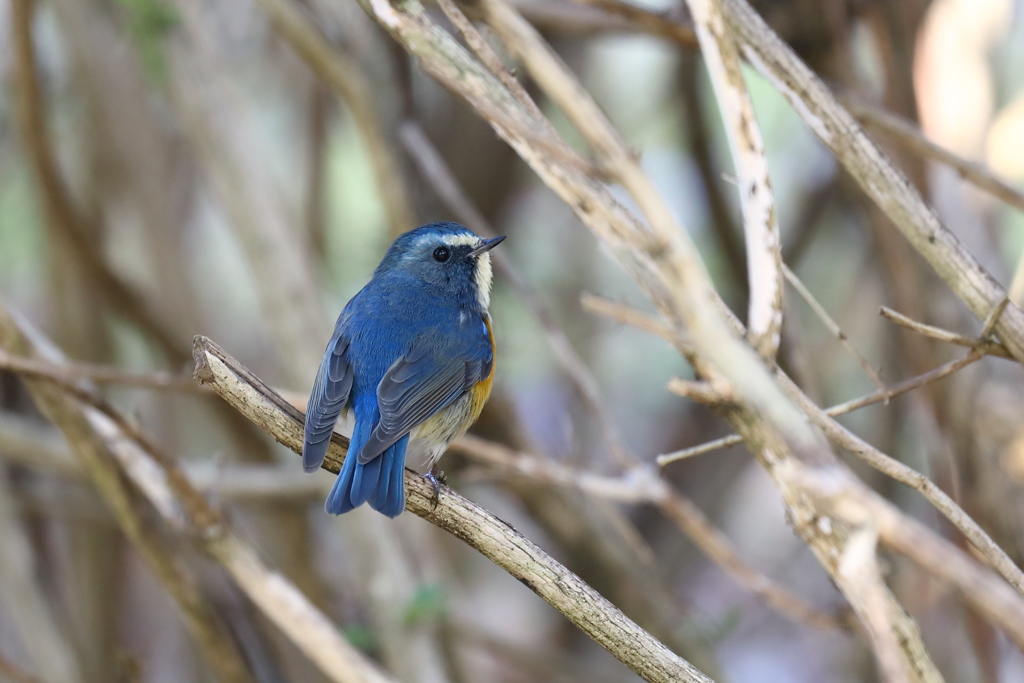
(843, 499)
(875, 172)
(904, 386)
(832, 326)
(842, 437)
(838, 409)
(985, 346)
(493, 63)
(992, 319)
(448, 510)
(910, 136)
(345, 76)
(161, 478)
(100, 374)
(655, 23)
(700, 449)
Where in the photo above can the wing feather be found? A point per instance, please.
(418, 385)
(326, 400)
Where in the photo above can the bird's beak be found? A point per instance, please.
(487, 245)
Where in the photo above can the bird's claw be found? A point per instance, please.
(436, 478)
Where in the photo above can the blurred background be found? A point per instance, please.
(174, 167)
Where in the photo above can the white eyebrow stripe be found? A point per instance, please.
(461, 240)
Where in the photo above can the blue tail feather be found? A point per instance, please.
(379, 482)
(389, 498)
(394, 501)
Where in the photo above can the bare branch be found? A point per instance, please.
(346, 78)
(844, 438)
(491, 60)
(101, 374)
(875, 172)
(495, 539)
(910, 136)
(161, 479)
(862, 581)
(27, 600)
(76, 421)
(939, 557)
(760, 224)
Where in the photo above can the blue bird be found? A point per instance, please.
(412, 358)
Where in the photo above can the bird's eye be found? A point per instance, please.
(442, 254)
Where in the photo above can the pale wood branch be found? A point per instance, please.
(492, 537)
(757, 202)
(641, 485)
(346, 77)
(844, 438)
(874, 171)
(940, 558)
(128, 452)
(659, 255)
(211, 635)
(908, 135)
(859, 572)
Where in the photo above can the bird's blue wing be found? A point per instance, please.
(418, 385)
(326, 400)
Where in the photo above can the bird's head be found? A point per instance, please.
(448, 256)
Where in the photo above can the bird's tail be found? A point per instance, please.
(380, 482)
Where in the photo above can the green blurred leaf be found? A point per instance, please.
(362, 637)
(148, 21)
(430, 603)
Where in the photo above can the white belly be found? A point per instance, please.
(429, 441)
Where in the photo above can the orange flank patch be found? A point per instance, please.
(479, 394)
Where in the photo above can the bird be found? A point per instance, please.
(411, 359)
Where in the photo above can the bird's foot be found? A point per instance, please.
(436, 478)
